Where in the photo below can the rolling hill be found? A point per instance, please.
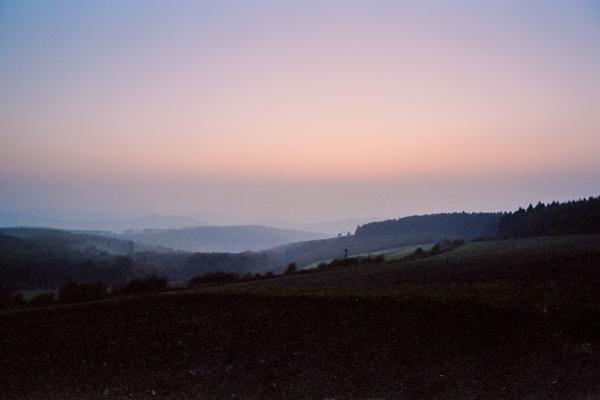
(377, 236)
(48, 258)
(82, 222)
(509, 269)
(43, 258)
(41, 250)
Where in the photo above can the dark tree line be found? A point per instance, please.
(36, 263)
(77, 292)
(572, 217)
(220, 277)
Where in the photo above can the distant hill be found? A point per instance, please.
(572, 217)
(329, 228)
(40, 258)
(340, 226)
(230, 239)
(48, 258)
(66, 242)
(434, 226)
(143, 222)
(109, 224)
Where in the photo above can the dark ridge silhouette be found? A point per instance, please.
(45, 258)
(573, 217)
(64, 241)
(446, 225)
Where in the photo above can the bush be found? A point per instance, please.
(444, 246)
(42, 300)
(142, 285)
(247, 277)
(291, 268)
(436, 249)
(215, 277)
(440, 247)
(80, 292)
(345, 262)
(378, 259)
(221, 277)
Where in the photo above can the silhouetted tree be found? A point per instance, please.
(215, 277)
(42, 300)
(291, 268)
(436, 249)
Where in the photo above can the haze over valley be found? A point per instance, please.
(316, 199)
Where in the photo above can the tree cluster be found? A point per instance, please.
(573, 217)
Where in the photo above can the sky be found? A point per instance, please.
(258, 111)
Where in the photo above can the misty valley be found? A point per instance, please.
(299, 200)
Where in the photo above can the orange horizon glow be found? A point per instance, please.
(311, 91)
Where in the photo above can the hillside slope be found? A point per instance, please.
(434, 226)
(383, 235)
(48, 258)
(43, 258)
(500, 269)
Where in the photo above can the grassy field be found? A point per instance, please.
(31, 293)
(394, 253)
(491, 320)
(533, 273)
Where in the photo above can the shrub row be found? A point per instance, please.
(219, 277)
(74, 292)
(440, 247)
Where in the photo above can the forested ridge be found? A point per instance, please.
(444, 225)
(572, 217)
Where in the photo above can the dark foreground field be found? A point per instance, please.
(247, 346)
(517, 319)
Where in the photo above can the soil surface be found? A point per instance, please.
(207, 346)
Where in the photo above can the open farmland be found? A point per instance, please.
(365, 331)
